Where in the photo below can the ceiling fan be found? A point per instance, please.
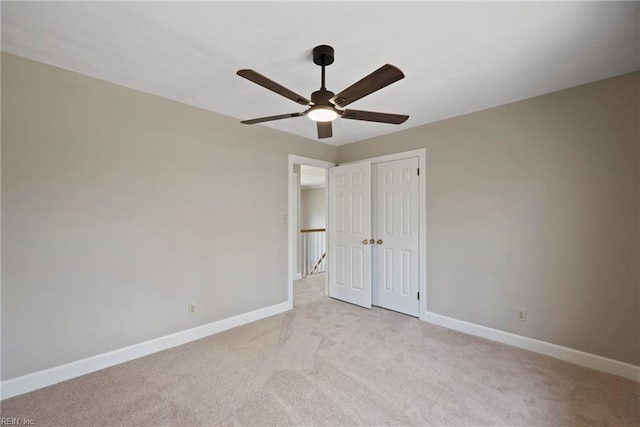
(325, 106)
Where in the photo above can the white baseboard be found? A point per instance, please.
(577, 357)
(47, 377)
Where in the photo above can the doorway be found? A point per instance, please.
(306, 219)
(312, 221)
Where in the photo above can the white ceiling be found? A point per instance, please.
(457, 57)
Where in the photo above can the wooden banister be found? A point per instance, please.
(315, 267)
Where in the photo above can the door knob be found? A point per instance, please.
(365, 242)
(379, 241)
(372, 241)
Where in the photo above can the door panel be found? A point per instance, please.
(349, 227)
(397, 229)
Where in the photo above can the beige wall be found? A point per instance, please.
(120, 208)
(535, 204)
(313, 208)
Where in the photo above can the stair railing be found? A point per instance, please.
(314, 252)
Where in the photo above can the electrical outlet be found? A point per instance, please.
(192, 308)
(521, 314)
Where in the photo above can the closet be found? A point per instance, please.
(374, 234)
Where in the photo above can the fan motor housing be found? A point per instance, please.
(323, 55)
(322, 97)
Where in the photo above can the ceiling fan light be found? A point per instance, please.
(323, 114)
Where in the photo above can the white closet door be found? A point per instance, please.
(397, 236)
(350, 233)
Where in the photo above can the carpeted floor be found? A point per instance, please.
(331, 363)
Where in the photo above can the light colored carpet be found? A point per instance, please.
(331, 363)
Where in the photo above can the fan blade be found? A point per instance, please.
(273, 86)
(371, 116)
(325, 130)
(380, 78)
(270, 118)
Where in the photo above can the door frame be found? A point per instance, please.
(291, 224)
(421, 154)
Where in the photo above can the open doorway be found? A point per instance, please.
(312, 221)
(312, 236)
(308, 226)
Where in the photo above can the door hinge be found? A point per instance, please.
(418, 171)
(418, 294)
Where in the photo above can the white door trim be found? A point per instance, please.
(421, 154)
(292, 232)
(295, 193)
